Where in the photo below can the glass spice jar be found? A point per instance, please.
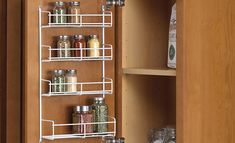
(80, 44)
(59, 10)
(83, 114)
(74, 8)
(71, 80)
(58, 80)
(63, 46)
(100, 114)
(93, 45)
(171, 136)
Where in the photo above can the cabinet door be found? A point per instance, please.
(3, 71)
(205, 76)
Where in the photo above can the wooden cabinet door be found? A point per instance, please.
(206, 71)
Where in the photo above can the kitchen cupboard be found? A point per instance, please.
(197, 98)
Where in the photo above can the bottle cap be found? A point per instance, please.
(77, 109)
(59, 3)
(60, 72)
(85, 108)
(74, 3)
(72, 71)
(99, 99)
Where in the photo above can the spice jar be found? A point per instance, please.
(83, 114)
(79, 43)
(94, 45)
(59, 10)
(171, 136)
(58, 80)
(63, 46)
(71, 80)
(74, 8)
(113, 140)
(100, 114)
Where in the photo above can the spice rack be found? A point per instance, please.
(103, 87)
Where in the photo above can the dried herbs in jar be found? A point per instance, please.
(59, 11)
(100, 114)
(58, 81)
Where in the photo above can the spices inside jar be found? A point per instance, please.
(100, 114)
(58, 80)
(74, 8)
(59, 11)
(94, 46)
(82, 114)
(63, 46)
(80, 45)
(71, 80)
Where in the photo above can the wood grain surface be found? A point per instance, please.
(3, 69)
(14, 66)
(205, 76)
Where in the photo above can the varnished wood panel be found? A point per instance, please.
(206, 85)
(146, 105)
(59, 108)
(3, 69)
(145, 33)
(14, 64)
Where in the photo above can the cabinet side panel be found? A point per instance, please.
(207, 72)
(3, 71)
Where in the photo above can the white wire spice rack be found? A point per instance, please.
(55, 136)
(82, 20)
(107, 50)
(102, 20)
(83, 88)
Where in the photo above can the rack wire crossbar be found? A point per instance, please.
(108, 54)
(84, 88)
(82, 17)
(111, 132)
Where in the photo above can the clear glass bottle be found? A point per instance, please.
(94, 45)
(170, 136)
(79, 42)
(74, 8)
(59, 9)
(100, 114)
(58, 79)
(82, 114)
(75, 116)
(63, 46)
(71, 80)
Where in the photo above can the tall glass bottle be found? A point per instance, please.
(100, 114)
(58, 79)
(59, 9)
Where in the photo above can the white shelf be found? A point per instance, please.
(155, 72)
(111, 123)
(108, 54)
(83, 22)
(84, 88)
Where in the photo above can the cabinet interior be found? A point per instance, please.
(148, 101)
